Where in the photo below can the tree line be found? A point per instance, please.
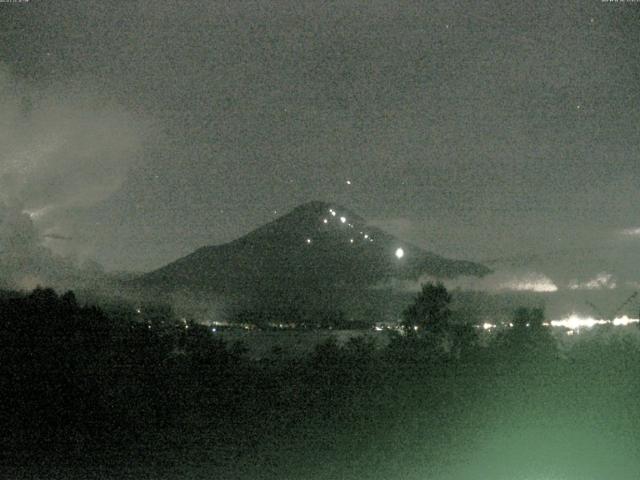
(76, 380)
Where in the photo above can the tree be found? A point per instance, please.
(528, 318)
(430, 310)
(69, 300)
(529, 334)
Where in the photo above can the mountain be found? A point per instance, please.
(317, 253)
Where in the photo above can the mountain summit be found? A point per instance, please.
(318, 253)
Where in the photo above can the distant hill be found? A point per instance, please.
(317, 253)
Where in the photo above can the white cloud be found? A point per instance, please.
(603, 280)
(631, 232)
(495, 282)
(59, 151)
(534, 282)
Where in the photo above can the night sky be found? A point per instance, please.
(141, 130)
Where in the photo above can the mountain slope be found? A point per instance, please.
(317, 247)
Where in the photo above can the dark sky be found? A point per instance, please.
(145, 129)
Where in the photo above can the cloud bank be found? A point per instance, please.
(61, 148)
(494, 283)
(602, 280)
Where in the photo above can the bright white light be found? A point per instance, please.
(574, 322)
(333, 213)
(624, 320)
(488, 326)
(343, 219)
(348, 182)
(366, 235)
(351, 240)
(399, 253)
(324, 220)
(308, 240)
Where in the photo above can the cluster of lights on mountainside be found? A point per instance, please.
(333, 217)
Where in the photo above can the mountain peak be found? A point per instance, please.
(319, 206)
(317, 209)
(308, 221)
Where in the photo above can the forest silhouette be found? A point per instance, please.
(88, 393)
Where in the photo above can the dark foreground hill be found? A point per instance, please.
(317, 254)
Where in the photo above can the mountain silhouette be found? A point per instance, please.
(317, 253)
